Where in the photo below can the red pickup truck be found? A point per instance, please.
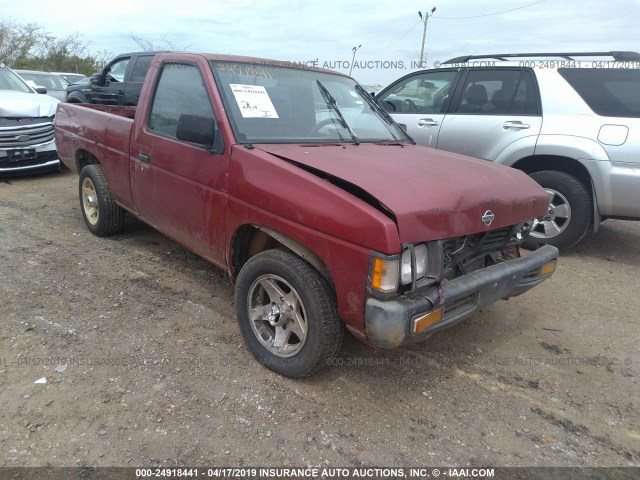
(321, 209)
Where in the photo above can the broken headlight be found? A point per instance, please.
(415, 258)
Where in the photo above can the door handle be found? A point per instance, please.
(427, 122)
(144, 158)
(517, 125)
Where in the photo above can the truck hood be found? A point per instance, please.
(431, 194)
(18, 104)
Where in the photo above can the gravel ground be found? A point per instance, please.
(157, 373)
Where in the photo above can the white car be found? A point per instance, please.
(55, 84)
(27, 141)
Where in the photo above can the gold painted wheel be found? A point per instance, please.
(90, 201)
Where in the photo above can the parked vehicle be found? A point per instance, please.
(119, 83)
(319, 216)
(55, 84)
(572, 124)
(26, 127)
(72, 77)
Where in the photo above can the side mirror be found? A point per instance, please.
(40, 89)
(96, 79)
(201, 130)
(388, 106)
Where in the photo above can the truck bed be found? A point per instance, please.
(87, 132)
(120, 110)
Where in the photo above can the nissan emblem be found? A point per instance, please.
(487, 218)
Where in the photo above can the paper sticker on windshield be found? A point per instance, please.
(253, 101)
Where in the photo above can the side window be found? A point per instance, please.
(179, 91)
(118, 70)
(498, 92)
(140, 68)
(525, 101)
(422, 93)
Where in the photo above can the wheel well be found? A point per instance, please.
(84, 158)
(537, 163)
(250, 240)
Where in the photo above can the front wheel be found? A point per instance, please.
(570, 210)
(287, 314)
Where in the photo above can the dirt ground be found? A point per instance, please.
(157, 373)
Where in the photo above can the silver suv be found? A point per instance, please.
(570, 120)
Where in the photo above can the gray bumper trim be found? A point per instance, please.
(389, 323)
(40, 166)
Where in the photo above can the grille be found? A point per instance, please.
(34, 134)
(468, 253)
(460, 248)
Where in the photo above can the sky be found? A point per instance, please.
(325, 32)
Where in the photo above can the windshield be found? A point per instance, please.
(49, 81)
(74, 77)
(272, 104)
(11, 81)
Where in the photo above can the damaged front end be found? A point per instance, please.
(432, 285)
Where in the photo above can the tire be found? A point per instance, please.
(570, 211)
(101, 213)
(273, 289)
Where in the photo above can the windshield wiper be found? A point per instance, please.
(331, 103)
(375, 106)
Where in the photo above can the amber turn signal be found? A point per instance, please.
(425, 321)
(548, 269)
(384, 275)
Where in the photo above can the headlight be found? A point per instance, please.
(388, 273)
(421, 258)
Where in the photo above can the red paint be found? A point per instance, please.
(200, 199)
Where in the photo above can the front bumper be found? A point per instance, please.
(46, 159)
(391, 323)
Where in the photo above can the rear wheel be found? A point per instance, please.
(101, 213)
(570, 210)
(287, 314)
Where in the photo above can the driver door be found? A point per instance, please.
(419, 102)
(111, 92)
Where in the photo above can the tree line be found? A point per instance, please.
(30, 47)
